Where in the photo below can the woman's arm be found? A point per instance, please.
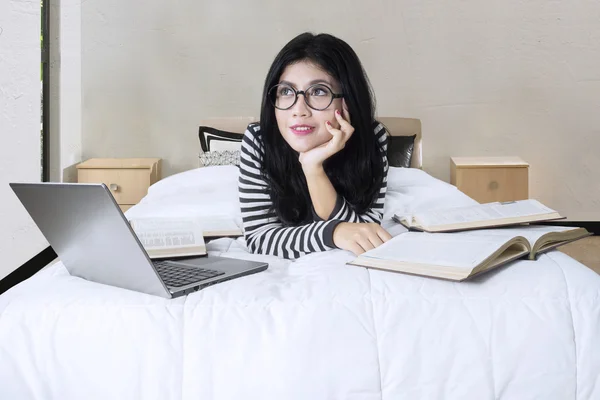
(343, 211)
(363, 232)
(263, 231)
(322, 193)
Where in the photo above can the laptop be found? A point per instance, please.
(90, 234)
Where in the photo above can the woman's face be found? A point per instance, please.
(302, 127)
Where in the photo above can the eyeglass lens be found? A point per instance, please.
(317, 96)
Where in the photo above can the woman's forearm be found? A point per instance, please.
(322, 193)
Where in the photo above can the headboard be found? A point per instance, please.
(396, 126)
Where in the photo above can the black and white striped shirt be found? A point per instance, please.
(264, 232)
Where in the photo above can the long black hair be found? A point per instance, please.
(356, 172)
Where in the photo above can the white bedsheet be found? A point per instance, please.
(310, 329)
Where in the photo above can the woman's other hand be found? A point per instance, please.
(312, 160)
(359, 237)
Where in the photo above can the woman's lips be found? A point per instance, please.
(302, 129)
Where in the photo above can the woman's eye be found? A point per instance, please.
(286, 92)
(318, 92)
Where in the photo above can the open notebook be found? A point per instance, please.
(462, 255)
(180, 237)
(478, 216)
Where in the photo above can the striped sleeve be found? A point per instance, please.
(263, 231)
(342, 210)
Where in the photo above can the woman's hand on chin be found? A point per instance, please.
(313, 159)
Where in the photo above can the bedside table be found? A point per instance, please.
(127, 178)
(489, 179)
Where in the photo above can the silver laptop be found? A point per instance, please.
(93, 239)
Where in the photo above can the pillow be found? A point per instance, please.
(214, 158)
(210, 191)
(219, 147)
(400, 150)
(212, 139)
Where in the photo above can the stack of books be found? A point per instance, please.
(462, 242)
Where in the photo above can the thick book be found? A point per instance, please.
(462, 255)
(487, 215)
(165, 237)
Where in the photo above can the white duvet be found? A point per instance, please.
(310, 329)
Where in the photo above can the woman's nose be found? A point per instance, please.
(300, 108)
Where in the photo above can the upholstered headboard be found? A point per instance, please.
(396, 126)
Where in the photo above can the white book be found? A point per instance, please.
(478, 216)
(170, 237)
(460, 256)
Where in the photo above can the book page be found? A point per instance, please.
(218, 224)
(482, 212)
(442, 249)
(168, 233)
(532, 232)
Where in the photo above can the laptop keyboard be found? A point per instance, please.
(180, 276)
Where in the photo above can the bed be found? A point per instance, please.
(313, 328)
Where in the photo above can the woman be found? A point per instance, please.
(313, 173)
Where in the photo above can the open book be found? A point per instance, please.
(478, 216)
(165, 237)
(460, 256)
(169, 238)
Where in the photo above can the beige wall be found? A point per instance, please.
(19, 129)
(504, 77)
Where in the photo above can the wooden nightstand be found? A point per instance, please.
(489, 179)
(127, 178)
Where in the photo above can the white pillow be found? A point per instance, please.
(207, 191)
(412, 189)
(400, 179)
(199, 179)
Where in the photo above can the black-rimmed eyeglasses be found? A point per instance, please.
(318, 96)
